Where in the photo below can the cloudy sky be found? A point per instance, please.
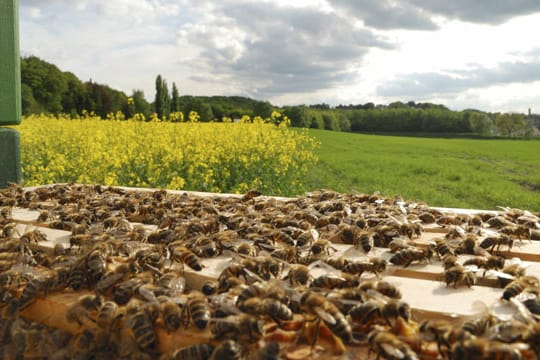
(482, 54)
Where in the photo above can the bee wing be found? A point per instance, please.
(147, 294)
(500, 274)
(522, 310)
(393, 351)
(325, 316)
(471, 268)
(324, 266)
(178, 283)
(461, 231)
(314, 234)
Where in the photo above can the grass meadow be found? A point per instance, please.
(448, 172)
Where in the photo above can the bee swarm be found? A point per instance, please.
(105, 272)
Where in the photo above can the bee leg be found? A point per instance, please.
(316, 337)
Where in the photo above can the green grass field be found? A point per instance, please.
(467, 173)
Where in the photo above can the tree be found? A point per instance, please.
(263, 109)
(73, 99)
(298, 116)
(46, 81)
(140, 104)
(480, 123)
(159, 102)
(510, 124)
(175, 99)
(192, 103)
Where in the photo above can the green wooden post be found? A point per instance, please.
(10, 92)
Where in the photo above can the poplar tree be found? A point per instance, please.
(158, 102)
(175, 101)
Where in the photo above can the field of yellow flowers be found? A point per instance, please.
(227, 157)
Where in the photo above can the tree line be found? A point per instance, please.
(47, 89)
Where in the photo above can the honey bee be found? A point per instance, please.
(244, 328)
(122, 292)
(45, 215)
(171, 283)
(111, 277)
(270, 351)
(381, 286)
(392, 309)
(9, 230)
(375, 265)
(193, 352)
(247, 249)
(183, 255)
(204, 246)
(459, 274)
(449, 261)
(33, 237)
(317, 305)
(96, 264)
(467, 245)
(335, 281)
(83, 345)
(408, 256)
(518, 285)
(398, 244)
(38, 286)
(298, 275)
(266, 267)
(478, 326)
(160, 236)
(389, 346)
(364, 240)
(84, 309)
(321, 246)
(139, 319)
(497, 222)
(512, 270)
(108, 316)
(492, 242)
(251, 194)
(480, 348)
(6, 212)
(411, 229)
(455, 232)
(439, 331)
(366, 313)
(442, 248)
(197, 310)
(281, 236)
(274, 309)
(486, 263)
(171, 313)
(227, 350)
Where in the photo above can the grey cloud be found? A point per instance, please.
(427, 84)
(480, 11)
(386, 14)
(285, 49)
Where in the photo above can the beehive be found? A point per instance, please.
(64, 242)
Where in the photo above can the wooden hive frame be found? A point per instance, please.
(421, 283)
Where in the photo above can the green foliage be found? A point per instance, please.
(510, 124)
(298, 115)
(467, 173)
(162, 100)
(192, 103)
(46, 81)
(46, 89)
(175, 103)
(263, 109)
(140, 105)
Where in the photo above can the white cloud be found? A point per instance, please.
(309, 51)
